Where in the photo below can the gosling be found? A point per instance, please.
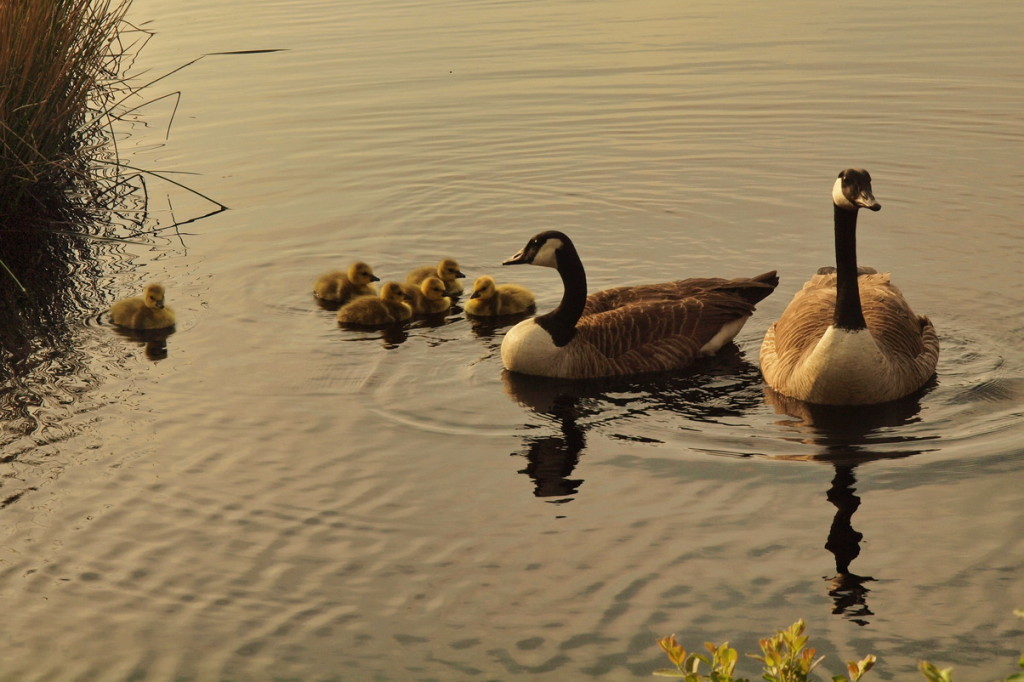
(447, 271)
(377, 311)
(143, 312)
(428, 298)
(342, 286)
(490, 299)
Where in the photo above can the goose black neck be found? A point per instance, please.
(560, 323)
(848, 313)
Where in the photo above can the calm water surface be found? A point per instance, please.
(263, 495)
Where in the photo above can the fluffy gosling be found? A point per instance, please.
(447, 271)
(489, 298)
(428, 298)
(143, 312)
(342, 286)
(375, 311)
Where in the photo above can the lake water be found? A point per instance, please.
(265, 496)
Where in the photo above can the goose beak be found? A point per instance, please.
(867, 200)
(374, 278)
(459, 274)
(159, 304)
(518, 259)
(475, 294)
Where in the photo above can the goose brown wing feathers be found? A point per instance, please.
(653, 335)
(752, 290)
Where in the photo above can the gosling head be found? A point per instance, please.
(484, 288)
(432, 289)
(392, 292)
(154, 296)
(852, 191)
(448, 270)
(361, 274)
(543, 249)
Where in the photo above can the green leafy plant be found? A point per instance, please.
(785, 657)
(722, 661)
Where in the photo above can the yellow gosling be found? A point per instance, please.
(447, 271)
(429, 297)
(490, 298)
(143, 312)
(375, 311)
(342, 286)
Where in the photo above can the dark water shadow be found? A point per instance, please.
(153, 341)
(40, 357)
(486, 327)
(390, 336)
(848, 437)
(723, 387)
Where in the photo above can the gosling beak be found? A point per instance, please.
(475, 294)
(459, 274)
(374, 278)
(159, 304)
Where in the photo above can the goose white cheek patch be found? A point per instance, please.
(546, 254)
(839, 198)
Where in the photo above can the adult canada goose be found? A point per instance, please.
(627, 330)
(429, 297)
(342, 286)
(490, 298)
(849, 337)
(447, 271)
(376, 311)
(145, 312)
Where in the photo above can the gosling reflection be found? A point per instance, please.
(390, 337)
(848, 437)
(721, 388)
(153, 341)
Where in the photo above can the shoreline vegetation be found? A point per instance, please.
(785, 657)
(61, 75)
(64, 93)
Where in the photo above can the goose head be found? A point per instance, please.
(542, 249)
(154, 296)
(432, 289)
(448, 270)
(484, 288)
(852, 191)
(361, 274)
(392, 292)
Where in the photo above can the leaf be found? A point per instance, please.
(676, 653)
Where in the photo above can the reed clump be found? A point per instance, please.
(59, 81)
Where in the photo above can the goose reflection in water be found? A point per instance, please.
(716, 388)
(153, 340)
(848, 437)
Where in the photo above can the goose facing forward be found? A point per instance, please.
(849, 337)
(143, 312)
(626, 330)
